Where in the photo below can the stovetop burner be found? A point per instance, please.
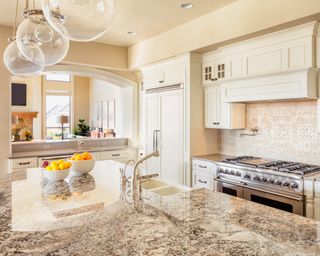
(276, 165)
(239, 158)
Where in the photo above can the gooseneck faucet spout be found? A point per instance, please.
(136, 179)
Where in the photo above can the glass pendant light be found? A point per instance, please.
(18, 65)
(34, 35)
(79, 20)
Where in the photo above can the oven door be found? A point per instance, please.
(227, 187)
(293, 205)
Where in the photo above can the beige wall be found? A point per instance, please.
(232, 21)
(5, 102)
(81, 99)
(124, 106)
(287, 131)
(98, 55)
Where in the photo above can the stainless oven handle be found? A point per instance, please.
(299, 198)
(228, 181)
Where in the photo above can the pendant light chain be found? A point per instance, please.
(15, 23)
(26, 5)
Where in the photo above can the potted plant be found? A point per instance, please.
(82, 128)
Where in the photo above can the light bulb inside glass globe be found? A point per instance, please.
(17, 64)
(81, 3)
(77, 23)
(43, 32)
(29, 44)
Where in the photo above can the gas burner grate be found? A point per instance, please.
(239, 158)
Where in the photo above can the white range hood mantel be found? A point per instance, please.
(282, 86)
(283, 65)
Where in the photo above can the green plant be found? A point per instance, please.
(82, 128)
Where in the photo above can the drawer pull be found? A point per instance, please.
(202, 166)
(115, 154)
(24, 163)
(202, 181)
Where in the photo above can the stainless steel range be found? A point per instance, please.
(279, 184)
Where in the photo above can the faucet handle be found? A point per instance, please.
(147, 177)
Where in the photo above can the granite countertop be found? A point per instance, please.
(94, 215)
(213, 157)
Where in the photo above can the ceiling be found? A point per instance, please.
(146, 17)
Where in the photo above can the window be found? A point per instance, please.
(57, 105)
(57, 77)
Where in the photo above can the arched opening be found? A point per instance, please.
(107, 102)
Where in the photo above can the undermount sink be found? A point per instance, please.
(161, 188)
(152, 184)
(168, 191)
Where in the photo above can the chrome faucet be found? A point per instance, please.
(136, 179)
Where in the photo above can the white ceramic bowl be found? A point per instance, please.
(82, 167)
(54, 176)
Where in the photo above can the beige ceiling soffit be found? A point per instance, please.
(260, 33)
(248, 16)
(93, 73)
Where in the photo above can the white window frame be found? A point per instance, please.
(58, 77)
(57, 88)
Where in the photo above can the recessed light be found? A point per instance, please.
(186, 5)
(132, 33)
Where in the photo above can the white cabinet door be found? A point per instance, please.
(202, 179)
(171, 136)
(152, 78)
(164, 112)
(207, 73)
(211, 107)
(173, 74)
(151, 124)
(222, 115)
(214, 71)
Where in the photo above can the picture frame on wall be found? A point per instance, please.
(111, 114)
(107, 111)
(99, 117)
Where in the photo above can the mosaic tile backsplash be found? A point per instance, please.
(287, 131)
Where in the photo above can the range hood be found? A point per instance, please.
(292, 85)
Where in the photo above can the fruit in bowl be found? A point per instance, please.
(82, 163)
(56, 170)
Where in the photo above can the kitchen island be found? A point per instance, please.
(94, 215)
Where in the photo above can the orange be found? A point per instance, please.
(78, 158)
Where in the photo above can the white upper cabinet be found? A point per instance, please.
(288, 50)
(213, 71)
(222, 115)
(163, 74)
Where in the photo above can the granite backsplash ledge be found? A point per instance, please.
(287, 131)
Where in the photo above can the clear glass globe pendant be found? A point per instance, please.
(36, 38)
(17, 64)
(79, 20)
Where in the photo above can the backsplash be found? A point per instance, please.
(287, 131)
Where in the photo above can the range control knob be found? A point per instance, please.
(238, 174)
(247, 176)
(226, 171)
(286, 184)
(278, 182)
(264, 179)
(257, 178)
(271, 181)
(221, 170)
(293, 185)
(232, 172)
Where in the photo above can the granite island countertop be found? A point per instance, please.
(93, 215)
